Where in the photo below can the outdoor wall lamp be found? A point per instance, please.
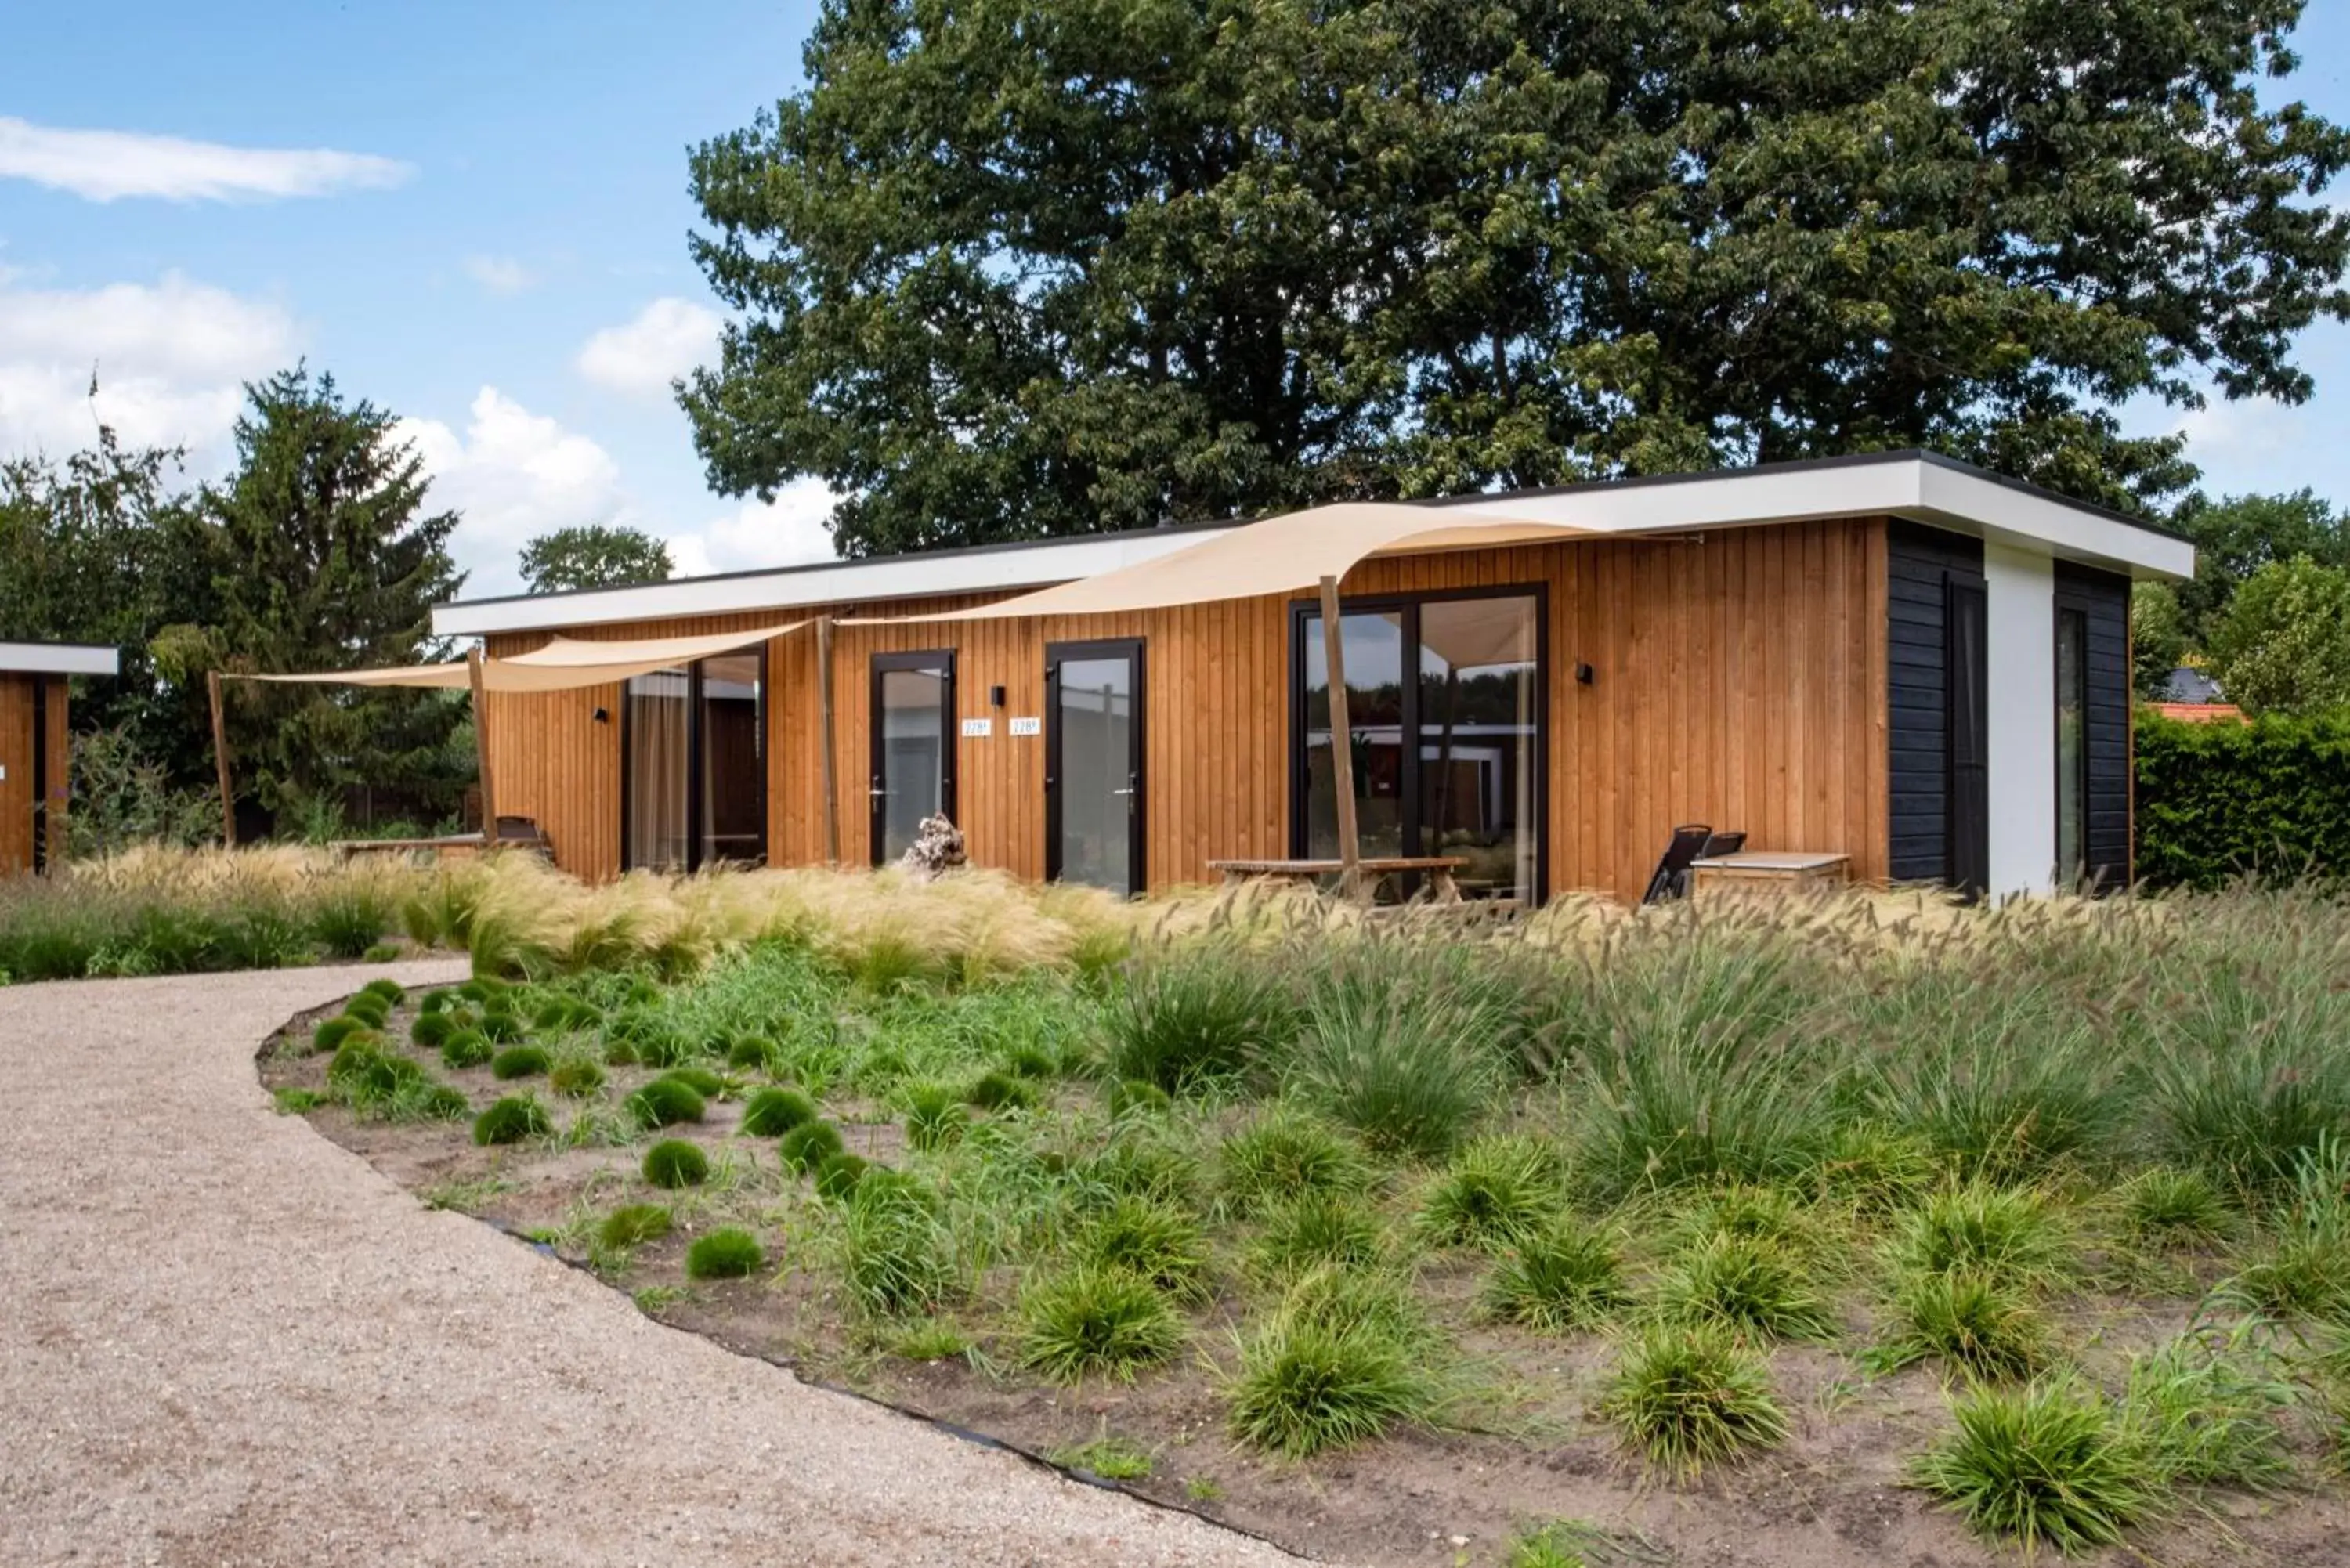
(603, 716)
(1583, 673)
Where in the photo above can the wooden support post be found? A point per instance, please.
(831, 762)
(1342, 743)
(481, 744)
(219, 761)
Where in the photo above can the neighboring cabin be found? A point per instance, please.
(35, 754)
(1897, 657)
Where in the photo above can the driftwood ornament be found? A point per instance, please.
(937, 849)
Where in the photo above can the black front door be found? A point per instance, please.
(913, 747)
(1094, 805)
(1970, 738)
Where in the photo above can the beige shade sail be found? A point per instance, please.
(563, 665)
(1282, 555)
(571, 653)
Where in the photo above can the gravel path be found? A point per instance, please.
(223, 1340)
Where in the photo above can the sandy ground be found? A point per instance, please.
(225, 1340)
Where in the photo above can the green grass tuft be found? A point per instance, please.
(808, 1145)
(1109, 1458)
(2012, 1232)
(1746, 1283)
(726, 1254)
(1317, 1229)
(465, 1048)
(664, 1103)
(1196, 1013)
(2043, 1466)
(701, 1080)
(1494, 1190)
(896, 1255)
(772, 1113)
(576, 1079)
(674, 1163)
(380, 953)
(1558, 1277)
(997, 1090)
(509, 1120)
(1972, 1323)
(1282, 1154)
(432, 1029)
(1402, 1058)
(1153, 1240)
(520, 1062)
(1686, 1396)
(838, 1175)
(1094, 1320)
(332, 1032)
(387, 988)
(2164, 1206)
(633, 1225)
(1311, 1380)
(935, 1116)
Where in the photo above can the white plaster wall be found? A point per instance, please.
(2020, 657)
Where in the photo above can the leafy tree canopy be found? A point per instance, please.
(1010, 268)
(594, 556)
(2283, 645)
(2236, 536)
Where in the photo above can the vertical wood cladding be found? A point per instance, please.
(17, 706)
(2104, 600)
(1740, 679)
(1918, 559)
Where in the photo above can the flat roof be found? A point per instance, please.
(58, 659)
(1922, 486)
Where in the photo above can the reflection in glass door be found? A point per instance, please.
(693, 778)
(913, 747)
(1447, 763)
(1094, 764)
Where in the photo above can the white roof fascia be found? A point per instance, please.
(829, 583)
(58, 659)
(2004, 514)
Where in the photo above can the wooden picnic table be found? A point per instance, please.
(1437, 869)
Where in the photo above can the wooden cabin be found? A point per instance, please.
(34, 754)
(1897, 658)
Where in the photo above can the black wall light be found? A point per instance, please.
(996, 696)
(1583, 673)
(603, 716)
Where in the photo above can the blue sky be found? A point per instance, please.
(475, 215)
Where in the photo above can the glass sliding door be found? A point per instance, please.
(1094, 805)
(1449, 761)
(730, 750)
(1479, 733)
(2072, 746)
(693, 771)
(654, 713)
(913, 747)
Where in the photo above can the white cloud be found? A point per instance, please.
(786, 532)
(514, 475)
(500, 275)
(107, 165)
(170, 359)
(669, 338)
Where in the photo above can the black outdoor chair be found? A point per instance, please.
(1672, 877)
(1722, 844)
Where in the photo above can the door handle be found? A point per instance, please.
(877, 794)
(1121, 792)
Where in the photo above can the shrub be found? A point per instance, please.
(808, 1145)
(772, 1113)
(1971, 1322)
(1282, 1154)
(1495, 1189)
(1314, 1230)
(1690, 1394)
(332, 1032)
(1310, 1380)
(1400, 1057)
(509, 1120)
(1194, 1013)
(838, 1175)
(935, 1116)
(2216, 802)
(896, 1256)
(1096, 1319)
(997, 1090)
(465, 1048)
(386, 988)
(726, 1254)
(663, 1103)
(754, 1051)
(2170, 1207)
(674, 1163)
(369, 1008)
(1557, 1277)
(2011, 1232)
(2043, 1466)
(633, 1225)
(1746, 1283)
(520, 1062)
(500, 1025)
(576, 1077)
(1152, 1239)
(701, 1080)
(432, 1029)
(349, 921)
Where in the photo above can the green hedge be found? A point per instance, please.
(2270, 798)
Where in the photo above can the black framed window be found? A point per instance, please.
(1095, 808)
(913, 746)
(2071, 745)
(1448, 710)
(693, 764)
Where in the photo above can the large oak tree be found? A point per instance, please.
(1009, 268)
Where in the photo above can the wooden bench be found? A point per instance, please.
(453, 847)
(1437, 869)
(1768, 871)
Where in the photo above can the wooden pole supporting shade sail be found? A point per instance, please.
(1342, 741)
(219, 761)
(482, 745)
